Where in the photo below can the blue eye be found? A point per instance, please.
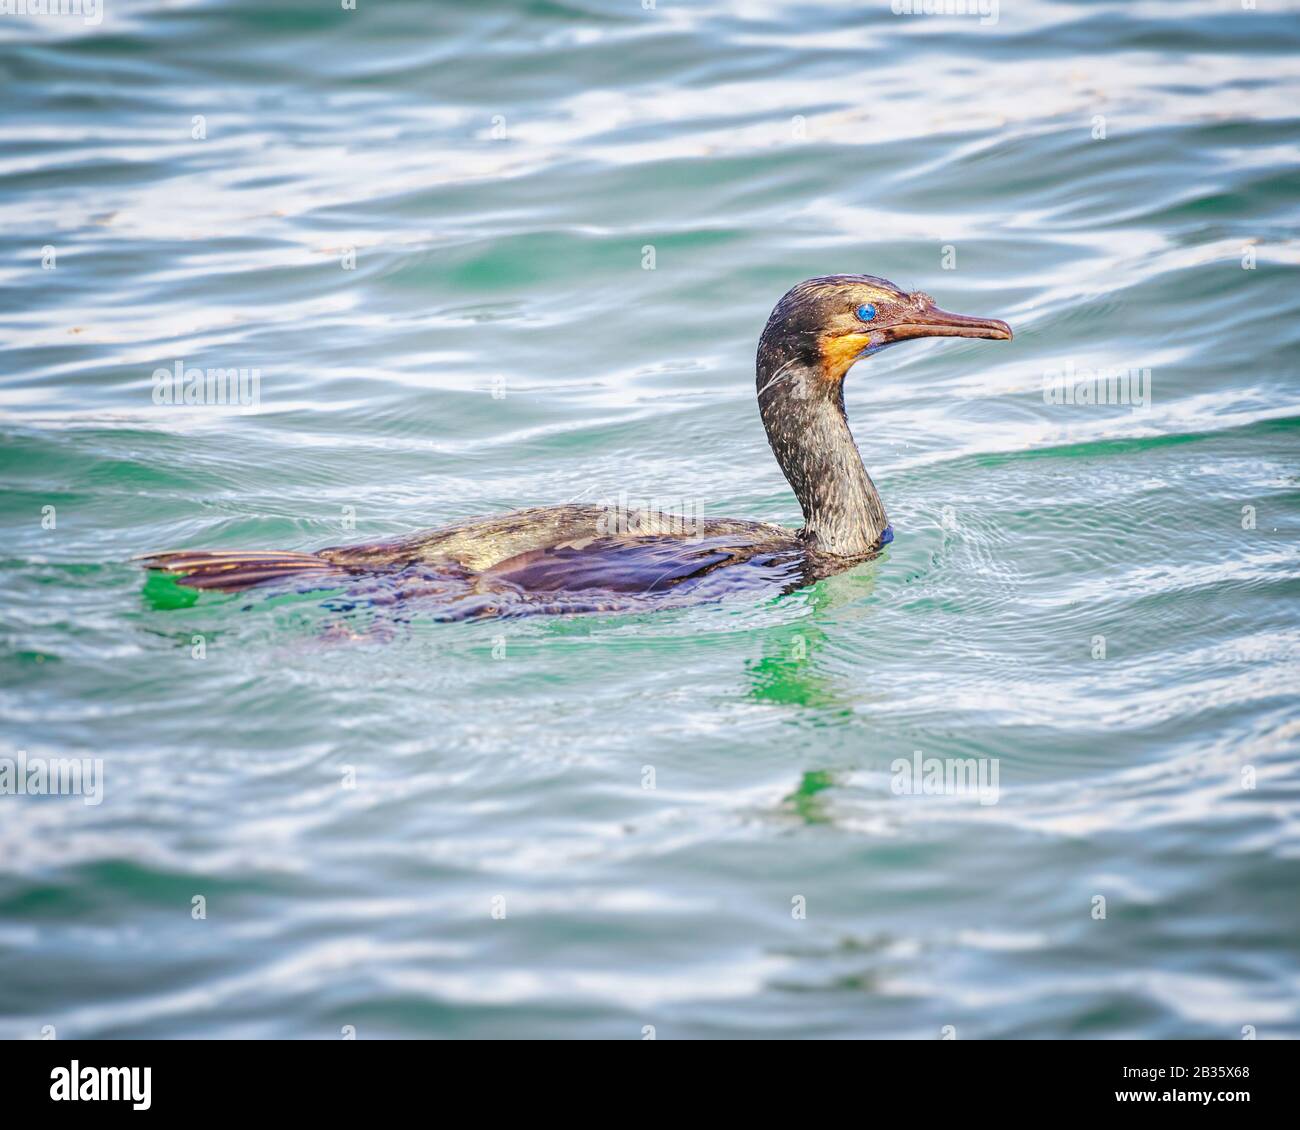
(866, 311)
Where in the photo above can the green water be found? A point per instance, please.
(427, 829)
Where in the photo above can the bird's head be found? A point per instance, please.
(828, 324)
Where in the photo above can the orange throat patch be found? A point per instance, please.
(839, 352)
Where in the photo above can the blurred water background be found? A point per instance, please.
(428, 227)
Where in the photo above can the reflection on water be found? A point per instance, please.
(805, 801)
(788, 672)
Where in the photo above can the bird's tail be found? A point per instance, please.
(238, 569)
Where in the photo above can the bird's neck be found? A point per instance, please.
(809, 433)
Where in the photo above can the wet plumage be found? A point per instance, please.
(584, 557)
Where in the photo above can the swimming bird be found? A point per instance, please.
(816, 333)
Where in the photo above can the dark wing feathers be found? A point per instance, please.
(619, 565)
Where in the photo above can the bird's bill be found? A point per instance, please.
(941, 323)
